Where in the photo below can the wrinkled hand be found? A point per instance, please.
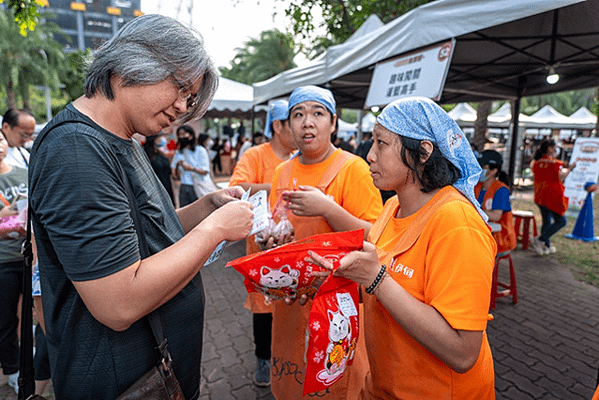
(307, 201)
(224, 196)
(234, 220)
(275, 241)
(361, 266)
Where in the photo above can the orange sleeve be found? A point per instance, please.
(460, 261)
(354, 190)
(247, 168)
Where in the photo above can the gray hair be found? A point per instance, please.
(151, 49)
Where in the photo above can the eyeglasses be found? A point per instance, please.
(191, 99)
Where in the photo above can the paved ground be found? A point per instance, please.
(545, 347)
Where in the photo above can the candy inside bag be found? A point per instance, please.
(278, 223)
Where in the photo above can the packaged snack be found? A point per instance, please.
(333, 333)
(283, 272)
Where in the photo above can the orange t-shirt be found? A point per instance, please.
(256, 165)
(549, 190)
(353, 189)
(449, 267)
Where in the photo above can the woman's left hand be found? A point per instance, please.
(223, 196)
(361, 266)
(307, 201)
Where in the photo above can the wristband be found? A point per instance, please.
(377, 280)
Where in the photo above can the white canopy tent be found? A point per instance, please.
(585, 117)
(233, 99)
(428, 24)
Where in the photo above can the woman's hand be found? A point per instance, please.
(307, 201)
(274, 241)
(361, 266)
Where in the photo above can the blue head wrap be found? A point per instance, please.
(277, 110)
(422, 119)
(313, 93)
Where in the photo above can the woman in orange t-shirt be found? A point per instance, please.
(549, 194)
(428, 274)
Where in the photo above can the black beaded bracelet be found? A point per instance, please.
(371, 288)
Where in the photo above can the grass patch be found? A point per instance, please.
(582, 257)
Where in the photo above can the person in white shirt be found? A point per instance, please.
(18, 126)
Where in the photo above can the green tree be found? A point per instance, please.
(26, 13)
(341, 18)
(262, 58)
(73, 76)
(34, 59)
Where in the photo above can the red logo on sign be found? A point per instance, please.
(444, 52)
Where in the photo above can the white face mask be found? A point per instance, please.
(483, 176)
(210, 143)
(161, 142)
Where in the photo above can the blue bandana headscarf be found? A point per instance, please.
(313, 93)
(277, 110)
(422, 119)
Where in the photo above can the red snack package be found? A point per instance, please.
(334, 329)
(283, 272)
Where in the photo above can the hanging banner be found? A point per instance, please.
(419, 73)
(585, 154)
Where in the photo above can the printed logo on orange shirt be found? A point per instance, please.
(400, 268)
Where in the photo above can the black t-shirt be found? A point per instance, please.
(84, 231)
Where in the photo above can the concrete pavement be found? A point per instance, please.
(545, 347)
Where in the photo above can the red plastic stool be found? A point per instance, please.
(527, 217)
(506, 290)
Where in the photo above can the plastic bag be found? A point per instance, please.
(333, 333)
(283, 272)
(278, 223)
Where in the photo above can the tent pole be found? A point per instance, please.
(253, 116)
(515, 141)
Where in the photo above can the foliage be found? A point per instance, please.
(26, 14)
(340, 18)
(261, 58)
(563, 102)
(73, 76)
(34, 59)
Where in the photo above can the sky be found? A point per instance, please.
(225, 24)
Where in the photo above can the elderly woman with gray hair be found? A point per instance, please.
(112, 248)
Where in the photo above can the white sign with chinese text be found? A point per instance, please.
(420, 73)
(586, 156)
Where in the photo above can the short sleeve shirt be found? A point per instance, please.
(84, 231)
(501, 200)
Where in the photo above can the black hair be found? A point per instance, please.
(192, 142)
(149, 146)
(202, 138)
(11, 116)
(544, 148)
(436, 172)
(503, 178)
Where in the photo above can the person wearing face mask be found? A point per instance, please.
(154, 146)
(493, 195)
(549, 176)
(190, 159)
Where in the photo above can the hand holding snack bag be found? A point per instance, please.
(283, 272)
